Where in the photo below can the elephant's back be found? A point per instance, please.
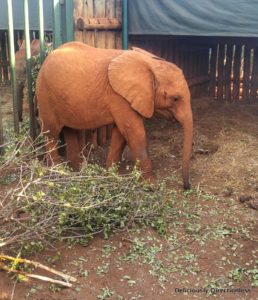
(74, 60)
(72, 76)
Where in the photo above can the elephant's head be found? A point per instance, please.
(151, 84)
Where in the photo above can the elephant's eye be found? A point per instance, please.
(174, 98)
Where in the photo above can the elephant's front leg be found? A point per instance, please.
(138, 147)
(134, 133)
(116, 147)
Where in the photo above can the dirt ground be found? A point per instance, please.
(211, 247)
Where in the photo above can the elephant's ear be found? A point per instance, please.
(146, 53)
(130, 77)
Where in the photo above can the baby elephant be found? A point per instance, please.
(83, 88)
(20, 70)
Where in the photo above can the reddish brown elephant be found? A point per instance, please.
(82, 87)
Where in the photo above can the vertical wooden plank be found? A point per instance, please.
(228, 72)
(221, 58)
(78, 10)
(88, 12)
(254, 79)
(118, 15)
(99, 12)
(236, 72)
(110, 35)
(246, 75)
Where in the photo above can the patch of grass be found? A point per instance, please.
(105, 293)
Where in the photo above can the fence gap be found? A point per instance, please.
(220, 82)
(228, 72)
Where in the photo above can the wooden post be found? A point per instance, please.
(246, 75)
(236, 72)
(228, 71)
(119, 16)
(78, 11)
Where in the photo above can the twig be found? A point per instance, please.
(14, 286)
(35, 276)
(38, 265)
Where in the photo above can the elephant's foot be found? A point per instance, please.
(146, 169)
(75, 164)
(52, 159)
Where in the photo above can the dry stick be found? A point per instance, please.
(38, 265)
(35, 276)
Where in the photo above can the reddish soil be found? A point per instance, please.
(139, 263)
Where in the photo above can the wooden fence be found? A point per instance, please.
(234, 69)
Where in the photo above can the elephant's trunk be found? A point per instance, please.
(187, 148)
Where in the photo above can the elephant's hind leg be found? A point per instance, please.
(51, 135)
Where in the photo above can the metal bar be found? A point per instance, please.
(12, 65)
(28, 68)
(57, 23)
(125, 24)
(41, 31)
(69, 20)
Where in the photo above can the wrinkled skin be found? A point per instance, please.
(20, 70)
(82, 87)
